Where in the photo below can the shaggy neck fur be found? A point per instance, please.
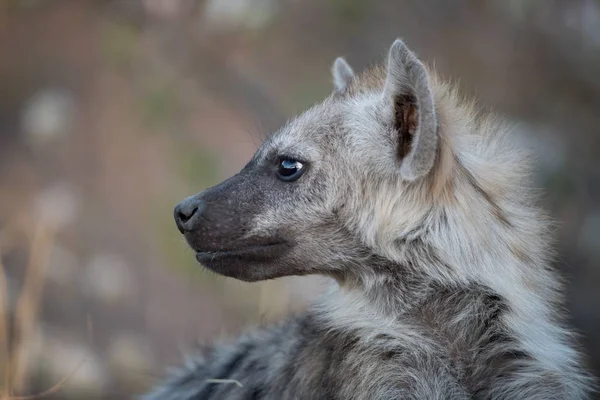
(474, 223)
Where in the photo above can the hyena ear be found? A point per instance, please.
(408, 94)
(342, 75)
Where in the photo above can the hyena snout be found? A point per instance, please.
(213, 222)
(219, 225)
(188, 214)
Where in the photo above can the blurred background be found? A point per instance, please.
(111, 111)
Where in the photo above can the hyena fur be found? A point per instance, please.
(420, 210)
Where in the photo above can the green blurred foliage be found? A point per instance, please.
(349, 10)
(119, 44)
(198, 168)
(158, 103)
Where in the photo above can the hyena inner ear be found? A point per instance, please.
(342, 74)
(408, 92)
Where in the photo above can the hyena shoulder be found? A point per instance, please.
(309, 357)
(324, 355)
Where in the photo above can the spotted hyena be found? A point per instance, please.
(419, 209)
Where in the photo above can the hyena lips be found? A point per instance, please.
(417, 207)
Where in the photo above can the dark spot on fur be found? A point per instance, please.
(257, 392)
(496, 304)
(443, 220)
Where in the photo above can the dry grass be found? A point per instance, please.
(14, 340)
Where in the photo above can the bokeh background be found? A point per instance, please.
(111, 111)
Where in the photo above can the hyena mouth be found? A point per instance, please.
(259, 251)
(227, 261)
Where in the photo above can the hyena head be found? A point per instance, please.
(347, 180)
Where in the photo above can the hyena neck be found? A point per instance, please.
(386, 287)
(394, 295)
(456, 255)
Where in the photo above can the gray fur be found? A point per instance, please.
(342, 74)
(440, 259)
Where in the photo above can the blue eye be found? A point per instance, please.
(289, 170)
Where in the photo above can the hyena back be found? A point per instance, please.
(420, 210)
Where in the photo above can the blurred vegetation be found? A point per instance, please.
(119, 44)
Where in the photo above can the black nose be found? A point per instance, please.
(187, 214)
